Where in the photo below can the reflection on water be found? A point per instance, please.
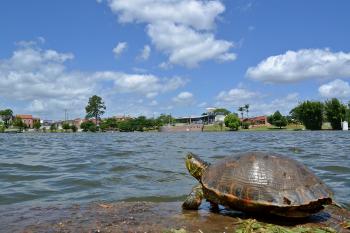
(69, 168)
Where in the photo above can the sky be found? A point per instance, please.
(179, 57)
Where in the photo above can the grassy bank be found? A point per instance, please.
(218, 128)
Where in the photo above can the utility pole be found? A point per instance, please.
(65, 115)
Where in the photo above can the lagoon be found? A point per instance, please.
(85, 167)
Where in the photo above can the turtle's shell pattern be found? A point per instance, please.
(260, 179)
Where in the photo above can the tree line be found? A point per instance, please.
(311, 114)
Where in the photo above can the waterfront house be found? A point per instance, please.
(258, 120)
(28, 120)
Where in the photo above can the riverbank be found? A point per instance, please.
(156, 217)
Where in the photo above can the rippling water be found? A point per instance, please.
(70, 168)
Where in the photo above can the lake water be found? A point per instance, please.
(74, 168)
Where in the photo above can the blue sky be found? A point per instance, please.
(146, 57)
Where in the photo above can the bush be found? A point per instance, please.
(88, 126)
(232, 121)
(245, 125)
(2, 127)
(53, 128)
(310, 113)
(66, 127)
(277, 120)
(74, 128)
(335, 113)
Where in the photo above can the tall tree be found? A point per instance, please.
(6, 116)
(335, 112)
(310, 113)
(95, 108)
(246, 107)
(241, 109)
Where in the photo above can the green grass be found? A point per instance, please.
(217, 128)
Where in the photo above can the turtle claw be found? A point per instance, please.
(194, 199)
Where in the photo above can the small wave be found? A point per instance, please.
(156, 198)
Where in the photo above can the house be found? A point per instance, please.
(28, 120)
(258, 120)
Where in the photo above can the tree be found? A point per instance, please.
(164, 119)
(53, 128)
(6, 116)
(73, 128)
(241, 110)
(232, 121)
(222, 111)
(95, 108)
(37, 125)
(126, 126)
(109, 124)
(347, 117)
(335, 113)
(2, 127)
(246, 107)
(277, 120)
(66, 127)
(88, 126)
(19, 124)
(310, 113)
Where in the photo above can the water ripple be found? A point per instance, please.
(148, 166)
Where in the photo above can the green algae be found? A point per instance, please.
(251, 225)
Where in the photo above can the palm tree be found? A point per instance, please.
(246, 107)
(241, 109)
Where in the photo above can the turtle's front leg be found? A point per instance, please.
(194, 199)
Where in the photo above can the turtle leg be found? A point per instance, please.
(194, 199)
(214, 206)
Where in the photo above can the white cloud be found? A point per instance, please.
(40, 80)
(301, 65)
(236, 96)
(184, 98)
(337, 88)
(182, 29)
(153, 103)
(145, 53)
(283, 104)
(145, 84)
(119, 48)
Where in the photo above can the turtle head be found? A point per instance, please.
(195, 165)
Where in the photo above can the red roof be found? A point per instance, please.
(24, 116)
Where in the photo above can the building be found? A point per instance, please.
(28, 120)
(259, 120)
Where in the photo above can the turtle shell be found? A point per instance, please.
(263, 181)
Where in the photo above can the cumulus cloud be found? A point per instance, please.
(145, 53)
(337, 88)
(283, 104)
(119, 48)
(258, 104)
(236, 96)
(145, 84)
(40, 79)
(182, 29)
(300, 65)
(184, 98)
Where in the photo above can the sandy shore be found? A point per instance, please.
(144, 217)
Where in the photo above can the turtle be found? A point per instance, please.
(257, 182)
